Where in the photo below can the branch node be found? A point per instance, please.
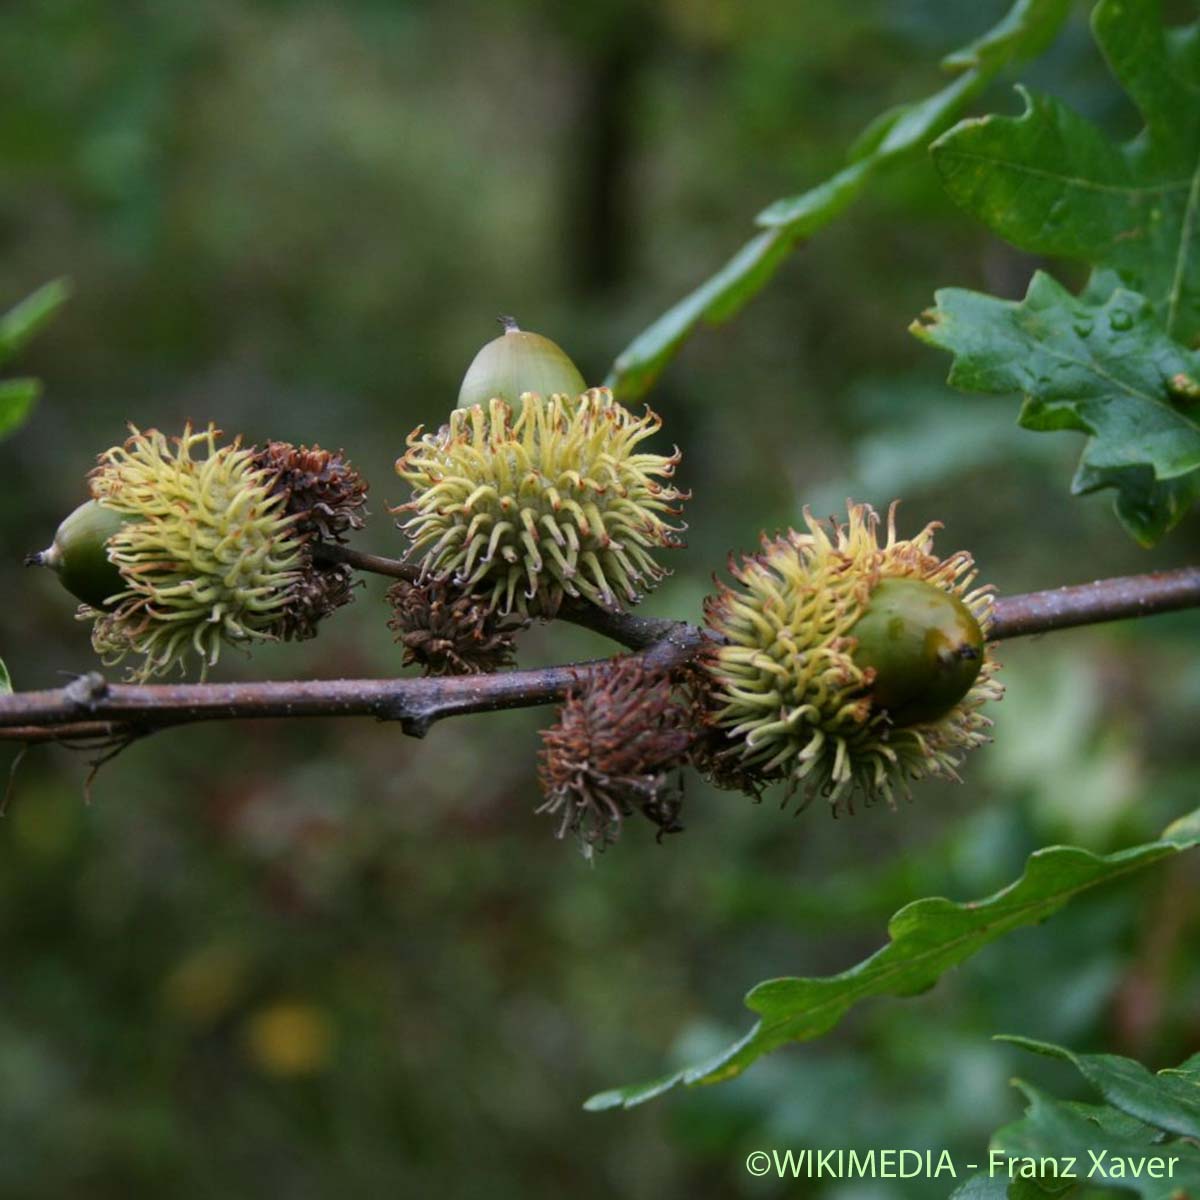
(85, 691)
(417, 726)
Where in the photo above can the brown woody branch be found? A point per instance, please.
(1094, 603)
(91, 709)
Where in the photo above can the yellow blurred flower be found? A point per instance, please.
(289, 1038)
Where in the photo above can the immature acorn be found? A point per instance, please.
(187, 545)
(79, 554)
(531, 497)
(847, 666)
(923, 646)
(515, 363)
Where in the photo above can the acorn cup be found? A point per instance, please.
(445, 631)
(188, 545)
(622, 734)
(847, 667)
(537, 490)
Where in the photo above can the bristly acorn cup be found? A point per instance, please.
(622, 734)
(531, 498)
(845, 666)
(188, 545)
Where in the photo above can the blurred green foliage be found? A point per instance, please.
(1142, 1138)
(902, 132)
(926, 939)
(315, 960)
(17, 326)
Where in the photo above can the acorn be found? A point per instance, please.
(79, 554)
(923, 645)
(847, 667)
(515, 363)
(529, 497)
(188, 545)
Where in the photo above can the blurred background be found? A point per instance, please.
(323, 959)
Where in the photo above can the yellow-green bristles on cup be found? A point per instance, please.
(556, 500)
(208, 553)
(793, 699)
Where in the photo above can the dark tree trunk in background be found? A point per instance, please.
(598, 190)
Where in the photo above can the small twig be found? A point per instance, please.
(82, 732)
(636, 633)
(1015, 616)
(393, 568)
(1094, 603)
(106, 753)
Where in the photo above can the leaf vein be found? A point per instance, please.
(1185, 237)
(1175, 185)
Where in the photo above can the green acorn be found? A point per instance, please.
(924, 646)
(188, 545)
(545, 495)
(515, 363)
(846, 666)
(79, 554)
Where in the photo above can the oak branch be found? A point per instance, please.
(93, 712)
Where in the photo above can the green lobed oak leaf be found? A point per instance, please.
(1143, 1117)
(927, 938)
(1169, 1100)
(1050, 182)
(1026, 30)
(1099, 1147)
(1099, 364)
